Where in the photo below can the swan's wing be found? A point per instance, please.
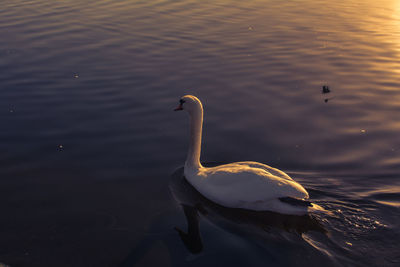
(237, 184)
(271, 170)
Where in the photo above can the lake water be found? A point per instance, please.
(91, 152)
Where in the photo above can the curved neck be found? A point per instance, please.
(196, 124)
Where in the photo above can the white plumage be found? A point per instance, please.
(247, 185)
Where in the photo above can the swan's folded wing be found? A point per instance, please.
(267, 168)
(234, 186)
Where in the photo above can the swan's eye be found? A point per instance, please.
(181, 101)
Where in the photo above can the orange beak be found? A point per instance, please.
(179, 108)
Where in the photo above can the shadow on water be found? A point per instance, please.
(194, 204)
(220, 231)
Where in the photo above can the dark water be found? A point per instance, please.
(90, 149)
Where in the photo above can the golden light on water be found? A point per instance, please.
(397, 11)
(397, 22)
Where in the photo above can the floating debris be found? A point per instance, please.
(363, 131)
(60, 147)
(250, 28)
(76, 76)
(349, 244)
(325, 89)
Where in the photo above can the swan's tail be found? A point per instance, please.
(295, 202)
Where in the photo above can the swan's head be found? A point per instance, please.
(189, 103)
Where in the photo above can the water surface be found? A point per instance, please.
(89, 141)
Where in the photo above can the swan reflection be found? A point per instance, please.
(196, 206)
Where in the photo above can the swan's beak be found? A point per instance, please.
(179, 108)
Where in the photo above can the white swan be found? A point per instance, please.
(246, 185)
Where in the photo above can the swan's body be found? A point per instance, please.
(247, 185)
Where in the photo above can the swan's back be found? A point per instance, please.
(271, 170)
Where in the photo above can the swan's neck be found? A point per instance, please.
(193, 156)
